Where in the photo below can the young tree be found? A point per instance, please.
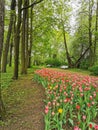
(6, 46)
(27, 36)
(91, 3)
(31, 39)
(96, 32)
(17, 41)
(63, 18)
(24, 37)
(10, 51)
(2, 109)
(66, 48)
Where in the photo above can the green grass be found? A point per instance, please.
(6, 78)
(74, 70)
(87, 72)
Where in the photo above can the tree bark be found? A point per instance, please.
(11, 48)
(24, 40)
(90, 32)
(6, 47)
(67, 53)
(96, 30)
(81, 57)
(90, 23)
(27, 36)
(17, 41)
(2, 108)
(31, 40)
(32, 5)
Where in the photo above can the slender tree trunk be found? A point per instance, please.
(17, 41)
(90, 32)
(24, 44)
(96, 29)
(6, 47)
(2, 108)
(81, 57)
(27, 36)
(31, 40)
(1, 28)
(12, 41)
(67, 53)
(11, 48)
(23, 71)
(90, 23)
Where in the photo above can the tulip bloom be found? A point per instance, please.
(96, 127)
(90, 125)
(77, 107)
(76, 128)
(60, 110)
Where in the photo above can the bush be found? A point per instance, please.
(94, 70)
(54, 62)
(84, 64)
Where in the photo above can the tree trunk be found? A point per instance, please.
(2, 108)
(24, 44)
(31, 40)
(96, 30)
(11, 48)
(17, 41)
(81, 57)
(90, 32)
(6, 47)
(12, 40)
(67, 53)
(27, 36)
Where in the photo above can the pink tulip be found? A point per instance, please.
(91, 97)
(76, 128)
(52, 113)
(46, 111)
(84, 117)
(93, 103)
(94, 94)
(96, 127)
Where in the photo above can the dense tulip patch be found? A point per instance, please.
(71, 100)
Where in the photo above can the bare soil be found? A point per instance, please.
(24, 105)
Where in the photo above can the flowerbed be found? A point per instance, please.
(71, 100)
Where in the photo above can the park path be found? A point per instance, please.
(24, 105)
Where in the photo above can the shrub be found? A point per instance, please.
(84, 64)
(54, 62)
(94, 70)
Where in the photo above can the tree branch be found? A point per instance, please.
(34, 3)
(78, 61)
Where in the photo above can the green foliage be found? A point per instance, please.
(6, 78)
(94, 70)
(54, 62)
(84, 64)
(82, 71)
